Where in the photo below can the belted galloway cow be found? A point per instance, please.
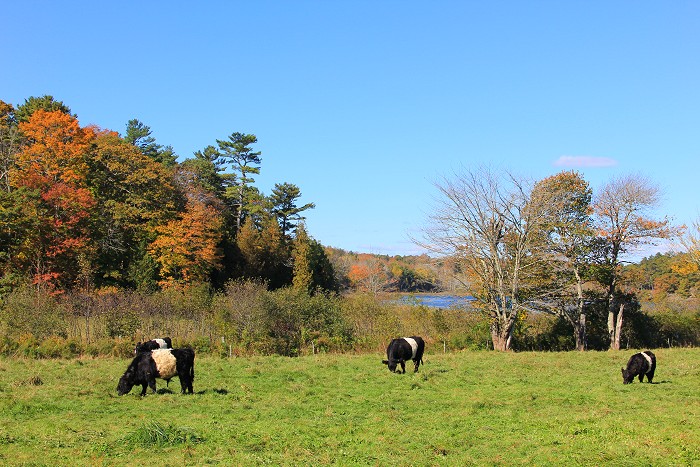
(159, 363)
(640, 364)
(403, 349)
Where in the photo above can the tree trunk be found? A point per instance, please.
(618, 328)
(611, 327)
(580, 326)
(580, 333)
(501, 337)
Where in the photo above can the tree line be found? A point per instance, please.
(84, 208)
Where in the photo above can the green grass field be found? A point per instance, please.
(468, 408)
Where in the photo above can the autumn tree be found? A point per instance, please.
(623, 219)
(691, 243)
(237, 152)
(368, 273)
(569, 249)
(51, 172)
(135, 195)
(187, 248)
(408, 279)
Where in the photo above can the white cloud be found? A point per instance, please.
(584, 161)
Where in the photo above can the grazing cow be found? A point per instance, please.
(159, 363)
(403, 349)
(643, 363)
(164, 343)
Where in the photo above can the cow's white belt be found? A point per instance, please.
(414, 346)
(648, 361)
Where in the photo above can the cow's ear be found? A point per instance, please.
(385, 362)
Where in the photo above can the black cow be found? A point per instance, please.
(160, 363)
(643, 363)
(403, 349)
(163, 343)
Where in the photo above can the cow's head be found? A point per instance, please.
(627, 376)
(125, 384)
(392, 364)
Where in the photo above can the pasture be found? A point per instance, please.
(465, 408)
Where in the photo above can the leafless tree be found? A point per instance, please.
(488, 223)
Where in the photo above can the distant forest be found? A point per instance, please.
(89, 208)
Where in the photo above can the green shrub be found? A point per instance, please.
(58, 347)
(28, 310)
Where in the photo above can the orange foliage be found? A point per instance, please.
(54, 165)
(56, 150)
(358, 273)
(187, 248)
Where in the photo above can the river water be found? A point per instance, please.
(437, 301)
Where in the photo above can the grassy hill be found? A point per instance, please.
(467, 408)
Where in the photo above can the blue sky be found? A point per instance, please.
(365, 104)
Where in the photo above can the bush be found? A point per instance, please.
(678, 324)
(57, 347)
(29, 310)
(372, 322)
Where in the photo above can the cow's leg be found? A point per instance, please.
(417, 362)
(152, 384)
(185, 383)
(403, 366)
(144, 385)
(641, 377)
(650, 376)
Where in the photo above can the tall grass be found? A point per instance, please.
(247, 319)
(461, 408)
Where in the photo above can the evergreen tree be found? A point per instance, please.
(283, 202)
(312, 269)
(140, 136)
(46, 102)
(237, 152)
